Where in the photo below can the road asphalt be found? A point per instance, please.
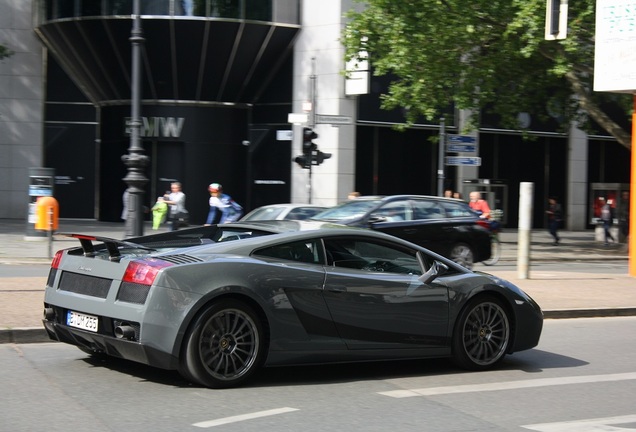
(561, 294)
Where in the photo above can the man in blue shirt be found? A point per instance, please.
(223, 208)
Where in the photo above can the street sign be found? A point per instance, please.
(284, 135)
(460, 139)
(297, 118)
(461, 148)
(459, 160)
(333, 119)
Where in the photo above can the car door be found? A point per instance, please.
(376, 300)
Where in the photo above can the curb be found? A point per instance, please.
(26, 335)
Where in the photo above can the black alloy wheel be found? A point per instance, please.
(482, 334)
(223, 347)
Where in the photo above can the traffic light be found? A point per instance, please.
(303, 161)
(320, 157)
(311, 155)
(308, 145)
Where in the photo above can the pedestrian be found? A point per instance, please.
(448, 193)
(353, 195)
(159, 213)
(623, 217)
(555, 217)
(457, 195)
(223, 208)
(607, 218)
(176, 199)
(479, 205)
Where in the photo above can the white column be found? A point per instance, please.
(322, 23)
(576, 214)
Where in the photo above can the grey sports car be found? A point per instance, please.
(218, 310)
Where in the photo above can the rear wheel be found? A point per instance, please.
(495, 252)
(224, 346)
(482, 334)
(463, 254)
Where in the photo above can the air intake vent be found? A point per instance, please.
(180, 259)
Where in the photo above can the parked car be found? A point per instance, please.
(283, 212)
(447, 226)
(219, 311)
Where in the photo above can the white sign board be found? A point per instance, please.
(615, 47)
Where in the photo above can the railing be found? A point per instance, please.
(283, 11)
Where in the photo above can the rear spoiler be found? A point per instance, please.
(112, 245)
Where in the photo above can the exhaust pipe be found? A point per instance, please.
(49, 314)
(125, 332)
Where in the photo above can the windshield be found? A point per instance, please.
(264, 213)
(348, 210)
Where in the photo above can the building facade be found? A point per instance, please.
(219, 80)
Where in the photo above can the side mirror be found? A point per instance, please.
(375, 219)
(438, 268)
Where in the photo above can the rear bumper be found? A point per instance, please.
(111, 346)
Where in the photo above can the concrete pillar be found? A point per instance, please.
(576, 209)
(320, 40)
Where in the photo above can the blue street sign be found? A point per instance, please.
(461, 148)
(457, 139)
(460, 160)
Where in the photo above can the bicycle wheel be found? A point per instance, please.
(495, 252)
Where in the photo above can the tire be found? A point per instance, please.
(482, 334)
(495, 252)
(223, 347)
(462, 254)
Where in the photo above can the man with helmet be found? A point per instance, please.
(223, 208)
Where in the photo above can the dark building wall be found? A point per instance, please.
(193, 145)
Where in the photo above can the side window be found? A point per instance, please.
(427, 210)
(300, 213)
(371, 256)
(306, 252)
(458, 209)
(394, 211)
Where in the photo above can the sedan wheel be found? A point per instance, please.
(482, 334)
(224, 346)
(462, 254)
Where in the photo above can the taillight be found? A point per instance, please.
(484, 223)
(144, 271)
(56, 259)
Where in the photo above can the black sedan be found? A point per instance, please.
(219, 311)
(444, 225)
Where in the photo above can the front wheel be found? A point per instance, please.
(462, 254)
(224, 346)
(482, 334)
(495, 252)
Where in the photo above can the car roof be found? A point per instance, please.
(245, 246)
(403, 197)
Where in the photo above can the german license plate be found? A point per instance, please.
(82, 321)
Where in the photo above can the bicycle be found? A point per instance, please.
(495, 244)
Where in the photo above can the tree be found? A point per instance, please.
(484, 55)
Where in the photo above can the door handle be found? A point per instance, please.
(337, 288)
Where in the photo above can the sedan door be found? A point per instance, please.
(376, 300)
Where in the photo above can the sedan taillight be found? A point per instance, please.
(144, 271)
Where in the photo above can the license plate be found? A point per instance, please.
(82, 321)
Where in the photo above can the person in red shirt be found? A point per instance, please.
(479, 205)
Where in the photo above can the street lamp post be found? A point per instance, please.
(135, 160)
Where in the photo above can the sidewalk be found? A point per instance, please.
(560, 294)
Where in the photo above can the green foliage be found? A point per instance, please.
(475, 54)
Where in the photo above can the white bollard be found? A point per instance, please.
(525, 227)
